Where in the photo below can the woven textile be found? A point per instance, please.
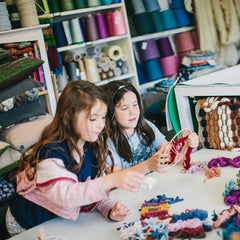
(219, 122)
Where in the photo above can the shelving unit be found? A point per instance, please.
(122, 40)
(34, 34)
(158, 35)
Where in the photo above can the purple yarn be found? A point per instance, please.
(224, 162)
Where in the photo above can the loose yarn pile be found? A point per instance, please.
(218, 122)
(191, 223)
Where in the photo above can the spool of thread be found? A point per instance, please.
(102, 26)
(105, 67)
(120, 63)
(164, 47)
(116, 1)
(113, 51)
(182, 17)
(72, 71)
(103, 75)
(80, 3)
(105, 2)
(94, 50)
(5, 23)
(147, 50)
(117, 72)
(132, 27)
(141, 75)
(157, 21)
(118, 23)
(124, 69)
(54, 6)
(82, 70)
(59, 34)
(68, 58)
(91, 70)
(67, 31)
(108, 17)
(152, 69)
(13, 16)
(92, 28)
(176, 4)
(62, 79)
(169, 19)
(151, 5)
(183, 42)
(143, 23)
(138, 6)
(163, 4)
(93, 3)
(129, 8)
(28, 13)
(110, 73)
(76, 57)
(169, 65)
(112, 65)
(67, 5)
(76, 31)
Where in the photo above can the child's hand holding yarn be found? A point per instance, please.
(128, 179)
(193, 140)
(119, 212)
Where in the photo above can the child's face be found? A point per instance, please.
(89, 126)
(127, 112)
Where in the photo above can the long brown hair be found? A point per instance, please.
(114, 91)
(76, 97)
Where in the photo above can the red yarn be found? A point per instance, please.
(179, 142)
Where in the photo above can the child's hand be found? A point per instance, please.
(119, 212)
(193, 140)
(158, 161)
(128, 179)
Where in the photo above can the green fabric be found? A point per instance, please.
(173, 111)
(15, 70)
(4, 55)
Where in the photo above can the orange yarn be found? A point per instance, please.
(212, 172)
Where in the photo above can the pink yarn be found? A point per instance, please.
(222, 218)
(190, 223)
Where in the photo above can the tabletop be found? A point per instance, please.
(195, 191)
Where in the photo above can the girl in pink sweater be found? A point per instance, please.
(63, 173)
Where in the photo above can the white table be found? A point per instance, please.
(196, 194)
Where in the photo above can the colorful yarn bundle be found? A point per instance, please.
(218, 122)
(229, 221)
(212, 172)
(232, 192)
(189, 224)
(143, 230)
(157, 207)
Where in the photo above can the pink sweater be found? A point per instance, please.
(58, 190)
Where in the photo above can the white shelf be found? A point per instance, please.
(91, 43)
(162, 34)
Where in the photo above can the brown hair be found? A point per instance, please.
(114, 91)
(76, 97)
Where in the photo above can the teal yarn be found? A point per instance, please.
(157, 21)
(80, 4)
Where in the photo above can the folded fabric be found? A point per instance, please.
(15, 70)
